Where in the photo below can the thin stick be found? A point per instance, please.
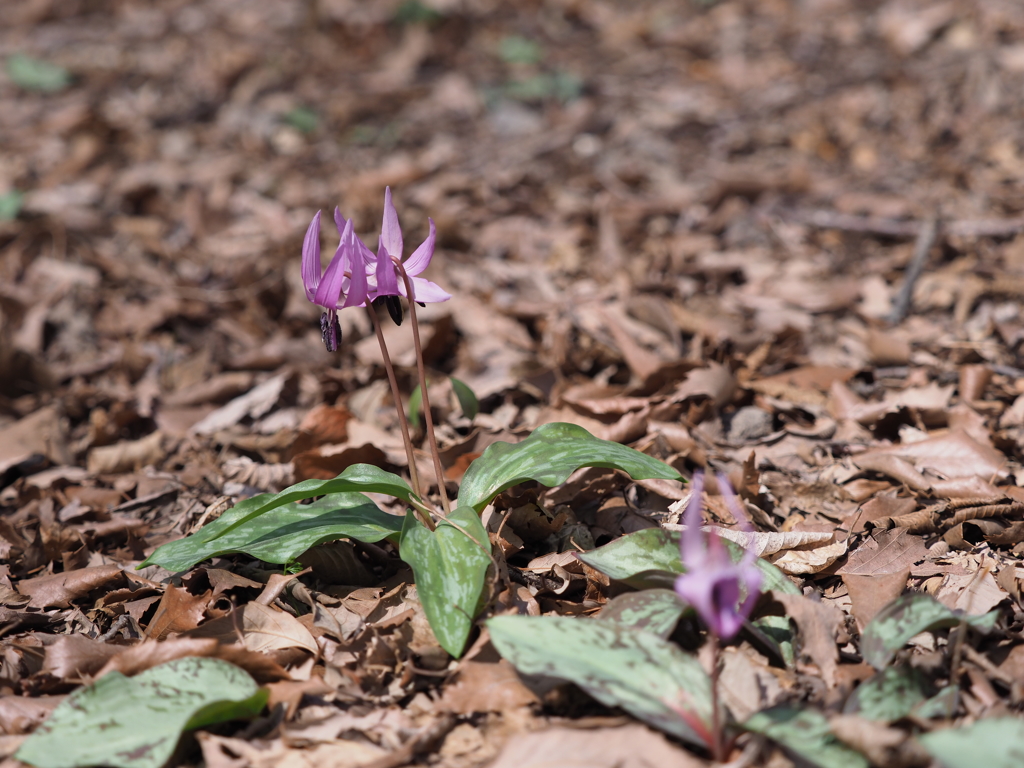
(428, 417)
(716, 715)
(925, 239)
(396, 394)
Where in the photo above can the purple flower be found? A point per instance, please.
(343, 283)
(388, 281)
(713, 583)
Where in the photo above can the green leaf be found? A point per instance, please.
(10, 205)
(282, 534)
(467, 398)
(621, 667)
(415, 405)
(135, 722)
(942, 705)
(994, 743)
(806, 733)
(450, 567)
(907, 616)
(358, 477)
(514, 49)
(777, 633)
(549, 456)
(651, 558)
(889, 695)
(302, 119)
(654, 610)
(34, 75)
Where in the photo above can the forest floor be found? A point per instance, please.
(780, 240)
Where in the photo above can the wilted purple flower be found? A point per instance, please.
(389, 282)
(713, 583)
(344, 277)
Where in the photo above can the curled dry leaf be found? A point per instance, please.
(802, 562)
(127, 455)
(764, 543)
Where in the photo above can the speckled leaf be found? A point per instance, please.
(889, 695)
(994, 743)
(549, 456)
(358, 477)
(907, 616)
(654, 610)
(135, 722)
(806, 733)
(648, 677)
(450, 567)
(282, 534)
(650, 558)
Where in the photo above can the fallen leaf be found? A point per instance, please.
(59, 589)
(631, 746)
(818, 624)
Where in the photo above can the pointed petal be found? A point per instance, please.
(331, 284)
(421, 257)
(426, 291)
(387, 280)
(390, 231)
(357, 289)
(692, 545)
(340, 221)
(311, 258)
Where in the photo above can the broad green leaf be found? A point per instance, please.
(994, 743)
(889, 695)
(549, 456)
(649, 677)
(650, 558)
(654, 610)
(10, 205)
(907, 616)
(806, 733)
(467, 398)
(135, 722)
(450, 567)
(35, 75)
(282, 534)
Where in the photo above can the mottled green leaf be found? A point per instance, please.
(942, 705)
(907, 616)
(994, 743)
(806, 733)
(549, 456)
(450, 566)
(650, 558)
(36, 75)
(282, 534)
(775, 632)
(649, 677)
(889, 695)
(135, 722)
(653, 610)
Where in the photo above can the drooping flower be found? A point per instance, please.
(713, 584)
(388, 280)
(343, 283)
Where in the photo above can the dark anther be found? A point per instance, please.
(394, 307)
(330, 330)
(421, 304)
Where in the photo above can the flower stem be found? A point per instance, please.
(428, 417)
(718, 748)
(396, 395)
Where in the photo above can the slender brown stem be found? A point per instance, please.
(428, 417)
(718, 748)
(403, 422)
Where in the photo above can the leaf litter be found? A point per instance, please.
(698, 250)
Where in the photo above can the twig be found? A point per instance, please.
(403, 422)
(925, 239)
(427, 416)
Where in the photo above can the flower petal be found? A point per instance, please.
(357, 288)
(328, 293)
(692, 544)
(426, 291)
(390, 231)
(311, 258)
(387, 280)
(421, 257)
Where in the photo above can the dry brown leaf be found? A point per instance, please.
(127, 455)
(59, 589)
(884, 552)
(179, 611)
(631, 746)
(881, 744)
(266, 629)
(716, 382)
(818, 624)
(486, 687)
(970, 593)
(954, 454)
(871, 592)
(21, 714)
(152, 653)
(764, 543)
(800, 562)
(75, 657)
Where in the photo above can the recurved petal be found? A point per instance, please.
(426, 291)
(311, 258)
(391, 231)
(421, 257)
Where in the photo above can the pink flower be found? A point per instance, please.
(388, 281)
(343, 283)
(713, 584)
